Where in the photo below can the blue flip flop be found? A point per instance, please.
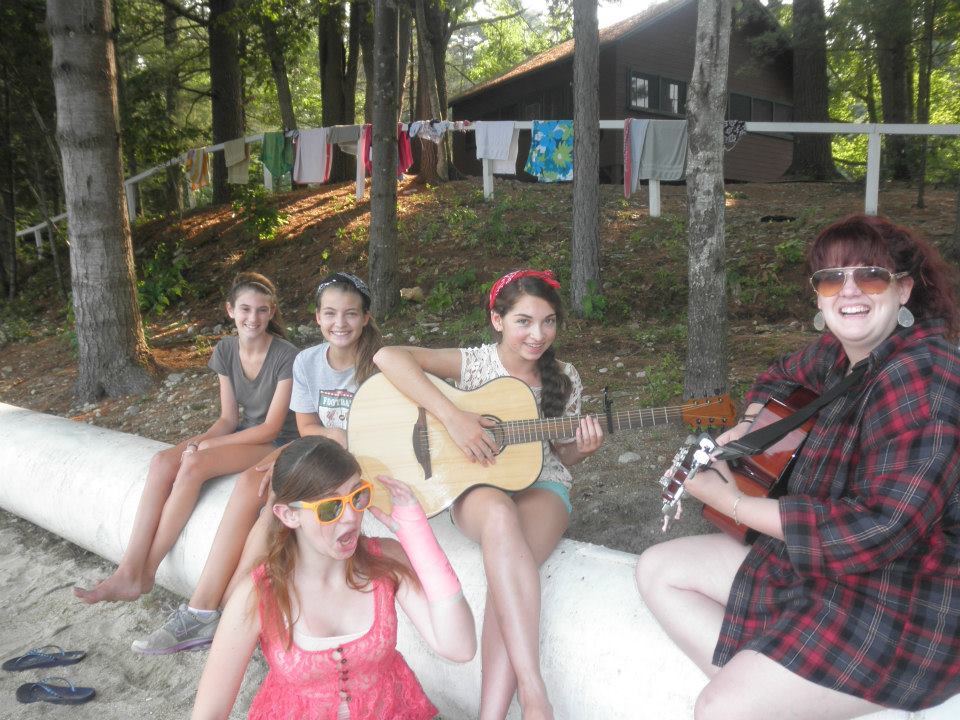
(53, 690)
(40, 658)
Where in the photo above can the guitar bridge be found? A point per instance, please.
(421, 443)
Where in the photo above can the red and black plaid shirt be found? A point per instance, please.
(863, 595)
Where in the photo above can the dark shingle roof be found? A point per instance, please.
(564, 50)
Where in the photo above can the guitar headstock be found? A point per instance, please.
(694, 455)
(716, 412)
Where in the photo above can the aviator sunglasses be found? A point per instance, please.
(330, 509)
(871, 279)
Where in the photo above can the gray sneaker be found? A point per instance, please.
(183, 630)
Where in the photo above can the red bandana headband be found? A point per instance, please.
(545, 275)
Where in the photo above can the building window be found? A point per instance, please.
(651, 92)
(644, 91)
(744, 107)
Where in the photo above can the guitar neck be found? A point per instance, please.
(561, 428)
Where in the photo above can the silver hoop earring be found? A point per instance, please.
(904, 317)
(819, 322)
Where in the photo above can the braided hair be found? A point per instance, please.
(555, 384)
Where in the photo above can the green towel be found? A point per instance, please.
(276, 153)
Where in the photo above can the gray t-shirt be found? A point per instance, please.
(318, 388)
(254, 396)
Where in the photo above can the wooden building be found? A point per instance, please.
(646, 62)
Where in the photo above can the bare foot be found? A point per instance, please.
(115, 587)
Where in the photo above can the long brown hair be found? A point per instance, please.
(371, 339)
(875, 240)
(259, 283)
(555, 384)
(308, 469)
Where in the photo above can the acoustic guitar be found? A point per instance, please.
(762, 475)
(390, 435)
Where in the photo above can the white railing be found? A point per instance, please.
(873, 131)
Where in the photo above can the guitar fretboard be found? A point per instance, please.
(560, 428)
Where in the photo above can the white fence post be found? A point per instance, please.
(267, 179)
(654, 186)
(361, 173)
(871, 201)
(38, 237)
(129, 189)
(487, 180)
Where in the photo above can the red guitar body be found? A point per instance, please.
(763, 475)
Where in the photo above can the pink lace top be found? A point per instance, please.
(368, 675)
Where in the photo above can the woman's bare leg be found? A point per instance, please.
(515, 538)
(686, 583)
(753, 687)
(254, 549)
(196, 469)
(126, 583)
(239, 517)
(164, 509)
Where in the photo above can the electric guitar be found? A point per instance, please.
(391, 435)
(760, 475)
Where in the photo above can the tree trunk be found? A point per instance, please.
(8, 225)
(384, 253)
(923, 92)
(707, 305)
(812, 156)
(433, 166)
(113, 356)
(585, 251)
(366, 58)
(404, 48)
(338, 76)
(892, 33)
(173, 175)
(225, 89)
(278, 66)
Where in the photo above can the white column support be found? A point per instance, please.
(871, 200)
(38, 238)
(267, 179)
(602, 652)
(654, 186)
(487, 180)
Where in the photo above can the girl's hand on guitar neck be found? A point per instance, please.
(742, 427)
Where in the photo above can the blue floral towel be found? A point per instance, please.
(551, 151)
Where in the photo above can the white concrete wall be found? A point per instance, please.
(603, 655)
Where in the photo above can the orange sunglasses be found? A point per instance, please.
(330, 509)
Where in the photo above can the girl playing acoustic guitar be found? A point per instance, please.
(516, 533)
(325, 377)
(849, 601)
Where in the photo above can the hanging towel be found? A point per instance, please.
(664, 153)
(345, 137)
(551, 151)
(313, 156)
(197, 168)
(634, 133)
(276, 153)
(404, 153)
(432, 130)
(237, 156)
(497, 142)
(733, 130)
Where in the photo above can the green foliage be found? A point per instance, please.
(594, 303)
(162, 283)
(469, 328)
(254, 206)
(790, 251)
(442, 298)
(664, 380)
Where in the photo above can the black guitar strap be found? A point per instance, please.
(756, 442)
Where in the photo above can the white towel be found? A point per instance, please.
(638, 133)
(237, 157)
(497, 142)
(312, 162)
(664, 150)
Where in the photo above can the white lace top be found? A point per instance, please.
(482, 364)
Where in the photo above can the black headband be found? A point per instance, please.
(349, 279)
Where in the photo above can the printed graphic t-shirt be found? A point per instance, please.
(318, 388)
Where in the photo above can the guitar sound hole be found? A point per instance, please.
(497, 433)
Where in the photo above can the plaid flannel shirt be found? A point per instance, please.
(863, 595)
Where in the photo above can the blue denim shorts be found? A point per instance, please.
(558, 489)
